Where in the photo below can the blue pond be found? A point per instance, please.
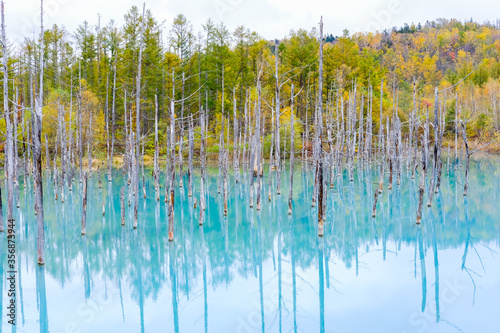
(263, 271)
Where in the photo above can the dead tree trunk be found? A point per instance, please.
(10, 135)
(202, 167)
(436, 150)
(156, 168)
(171, 172)
(122, 204)
(245, 135)
(113, 120)
(257, 137)
(47, 158)
(292, 152)
(108, 143)
(382, 160)
(467, 156)
(222, 151)
(271, 151)
(422, 181)
(191, 154)
(37, 157)
(80, 124)
(277, 146)
(236, 140)
(319, 127)
(181, 136)
(84, 204)
(138, 120)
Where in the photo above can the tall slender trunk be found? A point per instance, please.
(467, 156)
(319, 128)
(422, 181)
(436, 148)
(191, 154)
(258, 154)
(292, 152)
(222, 153)
(202, 166)
(113, 120)
(277, 122)
(138, 120)
(10, 135)
(84, 203)
(122, 204)
(171, 171)
(80, 124)
(236, 143)
(156, 168)
(37, 157)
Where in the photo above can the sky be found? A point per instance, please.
(269, 18)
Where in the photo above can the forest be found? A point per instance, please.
(148, 95)
(163, 176)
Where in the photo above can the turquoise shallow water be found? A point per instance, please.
(264, 271)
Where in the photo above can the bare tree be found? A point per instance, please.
(10, 134)
(37, 156)
(138, 120)
(319, 128)
(292, 152)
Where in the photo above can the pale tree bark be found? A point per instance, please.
(382, 160)
(236, 141)
(436, 148)
(84, 204)
(138, 120)
(70, 143)
(202, 167)
(16, 152)
(292, 152)
(156, 168)
(108, 143)
(80, 124)
(222, 152)
(25, 136)
(319, 127)
(390, 151)
(89, 144)
(422, 180)
(277, 145)
(245, 134)
(258, 147)
(142, 171)
(440, 144)
(122, 204)
(113, 120)
(369, 129)
(37, 157)
(63, 145)
(467, 156)
(190, 157)
(170, 159)
(9, 132)
(125, 165)
(271, 151)
(172, 173)
(47, 157)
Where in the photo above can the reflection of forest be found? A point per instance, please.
(238, 244)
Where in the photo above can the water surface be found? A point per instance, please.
(264, 271)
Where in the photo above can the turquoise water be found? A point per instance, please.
(264, 271)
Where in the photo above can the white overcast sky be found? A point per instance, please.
(270, 18)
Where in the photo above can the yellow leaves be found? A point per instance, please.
(419, 42)
(462, 55)
(485, 35)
